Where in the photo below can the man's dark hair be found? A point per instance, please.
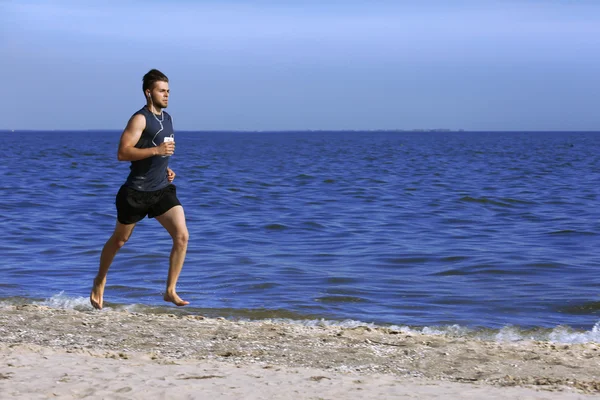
(152, 77)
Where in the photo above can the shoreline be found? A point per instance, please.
(561, 334)
(377, 357)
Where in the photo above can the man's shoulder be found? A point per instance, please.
(140, 117)
(142, 111)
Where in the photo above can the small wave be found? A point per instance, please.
(517, 201)
(263, 286)
(52, 251)
(450, 272)
(79, 303)
(275, 227)
(548, 265)
(406, 260)
(592, 307)
(458, 221)
(267, 184)
(454, 258)
(480, 269)
(348, 323)
(570, 232)
(377, 181)
(58, 186)
(567, 335)
(313, 225)
(483, 200)
(560, 334)
(61, 300)
(340, 299)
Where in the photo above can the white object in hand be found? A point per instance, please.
(168, 139)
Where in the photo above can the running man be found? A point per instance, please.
(147, 142)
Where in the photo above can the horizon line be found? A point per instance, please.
(415, 130)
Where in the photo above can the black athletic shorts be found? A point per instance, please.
(133, 205)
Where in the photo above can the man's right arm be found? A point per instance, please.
(131, 135)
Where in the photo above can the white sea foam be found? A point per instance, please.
(567, 335)
(452, 330)
(512, 334)
(61, 300)
(560, 334)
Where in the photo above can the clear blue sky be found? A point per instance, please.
(268, 65)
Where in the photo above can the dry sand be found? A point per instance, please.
(55, 353)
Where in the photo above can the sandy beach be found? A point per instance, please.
(57, 353)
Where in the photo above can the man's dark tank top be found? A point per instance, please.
(151, 173)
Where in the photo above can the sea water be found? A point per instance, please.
(489, 232)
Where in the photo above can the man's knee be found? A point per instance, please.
(181, 238)
(120, 240)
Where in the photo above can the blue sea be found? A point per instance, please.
(495, 234)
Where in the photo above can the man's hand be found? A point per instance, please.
(166, 149)
(170, 175)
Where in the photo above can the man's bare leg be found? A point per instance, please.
(174, 222)
(113, 244)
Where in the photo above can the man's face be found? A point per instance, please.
(160, 94)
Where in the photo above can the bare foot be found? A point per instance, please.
(97, 295)
(173, 298)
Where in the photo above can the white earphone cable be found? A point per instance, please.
(160, 121)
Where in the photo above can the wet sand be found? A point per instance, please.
(58, 353)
